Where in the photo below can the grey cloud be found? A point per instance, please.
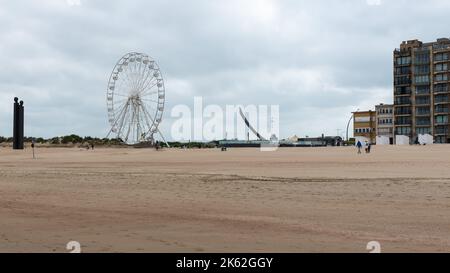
(318, 60)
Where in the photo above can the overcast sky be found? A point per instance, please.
(318, 60)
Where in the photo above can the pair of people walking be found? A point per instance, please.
(368, 147)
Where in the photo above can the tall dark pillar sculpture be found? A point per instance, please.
(15, 124)
(18, 128)
(21, 125)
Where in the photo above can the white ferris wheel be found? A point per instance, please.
(135, 99)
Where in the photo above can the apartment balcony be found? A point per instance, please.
(423, 124)
(441, 131)
(441, 57)
(441, 91)
(403, 122)
(423, 62)
(442, 123)
(439, 61)
(403, 105)
(441, 47)
(402, 71)
(402, 65)
(402, 80)
(423, 102)
(441, 80)
(442, 101)
(440, 71)
(422, 94)
(403, 83)
(440, 111)
(403, 93)
(423, 114)
(402, 101)
(401, 112)
(403, 131)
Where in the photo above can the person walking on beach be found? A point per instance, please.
(369, 147)
(359, 145)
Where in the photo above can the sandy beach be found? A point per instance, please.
(243, 200)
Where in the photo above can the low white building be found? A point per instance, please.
(401, 140)
(426, 139)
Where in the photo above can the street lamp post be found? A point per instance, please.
(348, 124)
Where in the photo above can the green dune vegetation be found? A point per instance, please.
(65, 141)
(78, 141)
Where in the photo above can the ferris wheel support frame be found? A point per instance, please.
(135, 86)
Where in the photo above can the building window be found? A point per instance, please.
(441, 109)
(403, 90)
(441, 57)
(423, 110)
(441, 99)
(441, 87)
(403, 131)
(423, 130)
(403, 111)
(422, 79)
(423, 89)
(403, 60)
(441, 67)
(422, 58)
(441, 77)
(441, 130)
(402, 100)
(422, 100)
(403, 80)
(423, 121)
(442, 119)
(422, 69)
(403, 120)
(402, 70)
